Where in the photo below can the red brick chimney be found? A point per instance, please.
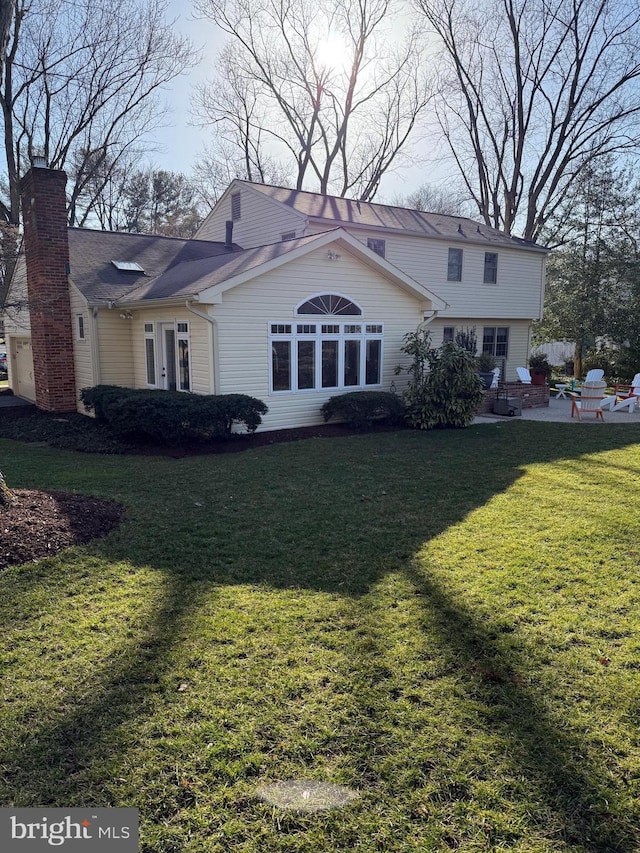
(46, 248)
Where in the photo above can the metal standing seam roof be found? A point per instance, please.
(345, 211)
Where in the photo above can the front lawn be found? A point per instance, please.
(446, 622)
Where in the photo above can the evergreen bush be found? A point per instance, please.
(361, 409)
(444, 389)
(171, 416)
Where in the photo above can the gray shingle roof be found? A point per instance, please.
(189, 277)
(345, 211)
(91, 254)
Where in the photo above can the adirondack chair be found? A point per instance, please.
(523, 375)
(589, 400)
(627, 396)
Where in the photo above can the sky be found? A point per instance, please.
(181, 142)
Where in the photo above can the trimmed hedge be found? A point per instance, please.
(172, 416)
(360, 409)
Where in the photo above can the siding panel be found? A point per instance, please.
(517, 294)
(246, 311)
(262, 221)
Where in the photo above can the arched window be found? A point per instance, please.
(330, 304)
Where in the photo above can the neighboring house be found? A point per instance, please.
(313, 304)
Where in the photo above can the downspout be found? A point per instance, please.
(95, 346)
(427, 320)
(214, 343)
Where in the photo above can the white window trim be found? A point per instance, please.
(155, 336)
(461, 265)
(338, 318)
(81, 327)
(484, 268)
(326, 320)
(184, 336)
(151, 336)
(495, 341)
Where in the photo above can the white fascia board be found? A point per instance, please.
(167, 302)
(346, 241)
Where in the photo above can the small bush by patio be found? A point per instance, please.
(361, 409)
(170, 416)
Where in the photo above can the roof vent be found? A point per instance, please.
(127, 266)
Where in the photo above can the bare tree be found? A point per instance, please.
(450, 200)
(317, 91)
(81, 86)
(532, 92)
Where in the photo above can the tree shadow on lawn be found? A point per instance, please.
(415, 502)
(549, 757)
(48, 767)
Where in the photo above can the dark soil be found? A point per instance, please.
(240, 442)
(39, 524)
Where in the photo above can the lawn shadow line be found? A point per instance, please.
(553, 758)
(49, 769)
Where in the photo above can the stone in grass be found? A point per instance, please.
(306, 795)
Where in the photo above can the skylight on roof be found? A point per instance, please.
(127, 266)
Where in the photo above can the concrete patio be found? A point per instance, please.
(560, 411)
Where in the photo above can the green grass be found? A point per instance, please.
(446, 622)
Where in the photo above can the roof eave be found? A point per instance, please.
(465, 241)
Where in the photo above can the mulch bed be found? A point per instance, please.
(240, 442)
(39, 524)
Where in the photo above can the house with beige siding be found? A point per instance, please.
(283, 295)
(489, 280)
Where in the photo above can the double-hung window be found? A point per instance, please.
(490, 268)
(325, 354)
(377, 246)
(454, 266)
(495, 340)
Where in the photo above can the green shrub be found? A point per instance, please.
(539, 362)
(97, 398)
(171, 416)
(67, 432)
(360, 409)
(444, 387)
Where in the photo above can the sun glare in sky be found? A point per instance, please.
(332, 52)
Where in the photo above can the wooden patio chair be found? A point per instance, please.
(589, 400)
